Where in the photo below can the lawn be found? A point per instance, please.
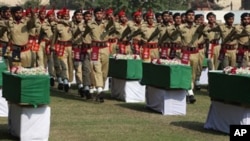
(75, 119)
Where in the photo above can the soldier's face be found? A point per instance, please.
(123, 19)
(165, 17)
(150, 20)
(18, 15)
(66, 17)
(245, 20)
(190, 17)
(183, 19)
(211, 19)
(42, 15)
(78, 17)
(7, 14)
(51, 18)
(88, 17)
(99, 15)
(109, 16)
(138, 19)
(177, 20)
(230, 21)
(159, 19)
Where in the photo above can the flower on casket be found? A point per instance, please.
(126, 57)
(166, 61)
(235, 70)
(29, 71)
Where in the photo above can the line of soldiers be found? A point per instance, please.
(36, 38)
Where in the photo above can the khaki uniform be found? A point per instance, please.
(63, 47)
(149, 49)
(19, 35)
(214, 47)
(136, 44)
(123, 47)
(45, 56)
(99, 53)
(229, 47)
(190, 52)
(242, 58)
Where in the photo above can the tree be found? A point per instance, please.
(32, 3)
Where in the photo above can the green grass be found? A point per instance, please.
(75, 119)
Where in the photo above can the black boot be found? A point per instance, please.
(81, 92)
(66, 87)
(52, 82)
(191, 98)
(88, 94)
(60, 86)
(100, 97)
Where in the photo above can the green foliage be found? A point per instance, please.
(32, 3)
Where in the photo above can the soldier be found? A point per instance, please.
(100, 51)
(19, 27)
(199, 20)
(243, 41)
(88, 78)
(214, 46)
(112, 41)
(124, 44)
(173, 39)
(190, 33)
(134, 25)
(63, 47)
(183, 18)
(4, 36)
(149, 41)
(34, 39)
(228, 46)
(46, 34)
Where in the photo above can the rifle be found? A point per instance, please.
(229, 36)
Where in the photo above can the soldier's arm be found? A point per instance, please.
(3, 23)
(86, 31)
(31, 23)
(154, 34)
(215, 29)
(54, 38)
(125, 33)
(137, 32)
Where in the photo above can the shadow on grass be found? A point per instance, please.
(196, 126)
(140, 107)
(5, 135)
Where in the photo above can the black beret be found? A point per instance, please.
(228, 15)
(87, 12)
(98, 9)
(157, 14)
(189, 11)
(176, 15)
(210, 14)
(243, 15)
(16, 8)
(78, 11)
(4, 8)
(164, 12)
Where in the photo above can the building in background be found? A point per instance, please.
(217, 4)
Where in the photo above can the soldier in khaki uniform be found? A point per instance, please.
(100, 51)
(113, 39)
(190, 53)
(77, 29)
(63, 47)
(4, 36)
(228, 46)
(88, 76)
(123, 46)
(149, 46)
(45, 50)
(243, 41)
(174, 39)
(214, 46)
(134, 25)
(19, 27)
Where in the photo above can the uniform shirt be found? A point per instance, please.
(63, 32)
(96, 30)
(244, 40)
(212, 35)
(47, 29)
(4, 34)
(19, 31)
(224, 30)
(77, 30)
(131, 28)
(163, 33)
(35, 31)
(146, 31)
(120, 28)
(187, 34)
